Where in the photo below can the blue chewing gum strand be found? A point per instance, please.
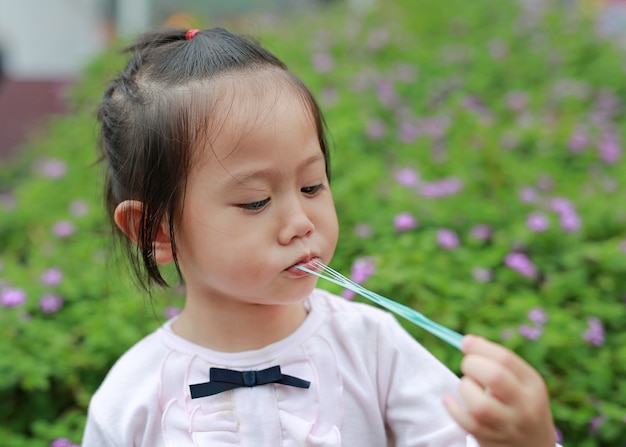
(448, 335)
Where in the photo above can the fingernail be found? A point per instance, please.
(467, 341)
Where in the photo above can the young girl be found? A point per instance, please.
(217, 161)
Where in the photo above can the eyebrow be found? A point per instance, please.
(244, 177)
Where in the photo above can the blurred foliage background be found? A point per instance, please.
(479, 175)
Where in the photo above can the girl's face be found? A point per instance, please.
(257, 202)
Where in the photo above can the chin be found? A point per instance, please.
(303, 293)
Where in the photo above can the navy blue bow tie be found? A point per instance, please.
(227, 379)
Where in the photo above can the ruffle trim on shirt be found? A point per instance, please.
(273, 414)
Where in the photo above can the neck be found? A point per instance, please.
(242, 327)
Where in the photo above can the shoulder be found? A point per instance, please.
(138, 362)
(352, 316)
(130, 390)
(356, 325)
(337, 306)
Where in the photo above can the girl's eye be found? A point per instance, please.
(310, 190)
(254, 206)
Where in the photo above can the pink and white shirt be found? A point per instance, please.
(372, 385)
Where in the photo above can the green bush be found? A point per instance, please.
(477, 163)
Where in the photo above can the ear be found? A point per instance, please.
(128, 218)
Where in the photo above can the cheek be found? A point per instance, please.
(239, 254)
(252, 272)
(330, 223)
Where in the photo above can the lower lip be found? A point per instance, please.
(295, 271)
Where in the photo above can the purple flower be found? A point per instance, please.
(11, 297)
(63, 228)
(545, 183)
(323, 62)
(561, 205)
(7, 201)
(510, 140)
(404, 222)
(538, 316)
(450, 186)
(516, 101)
(530, 332)
(362, 268)
(528, 195)
(386, 93)
(51, 277)
(568, 218)
(521, 264)
(409, 131)
(435, 126)
(537, 222)
(375, 129)
(171, 312)
(447, 239)
(594, 334)
(570, 222)
(441, 188)
(49, 304)
(329, 96)
(51, 168)
(482, 274)
(578, 141)
(563, 88)
(378, 38)
(609, 149)
(407, 177)
(63, 442)
(559, 435)
(180, 289)
(363, 231)
(404, 73)
(595, 423)
(507, 334)
(607, 101)
(79, 208)
(60, 442)
(481, 232)
(474, 104)
(348, 294)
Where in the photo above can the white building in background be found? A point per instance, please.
(50, 39)
(54, 39)
(45, 45)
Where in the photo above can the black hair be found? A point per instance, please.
(149, 126)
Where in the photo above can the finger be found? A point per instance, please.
(467, 420)
(497, 380)
(473, 344)
(458, 413)
(485, 410)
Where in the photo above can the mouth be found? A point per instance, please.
(309, 262)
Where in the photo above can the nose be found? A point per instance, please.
(295, 221)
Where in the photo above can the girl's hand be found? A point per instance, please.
(505, 400)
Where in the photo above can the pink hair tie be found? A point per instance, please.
(191, 34)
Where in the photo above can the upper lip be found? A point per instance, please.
(305, 259)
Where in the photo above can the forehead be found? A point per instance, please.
(253, 106)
